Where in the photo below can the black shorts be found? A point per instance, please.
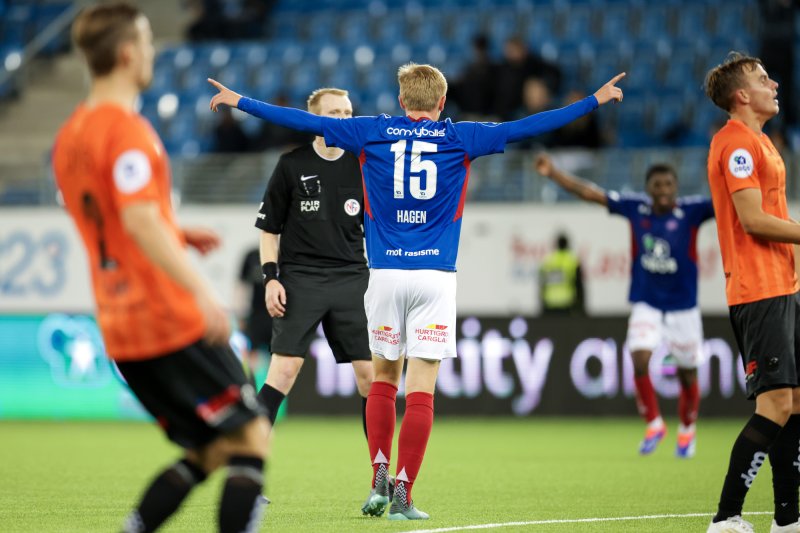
(333, 297)
(195, 394)
(768, 334)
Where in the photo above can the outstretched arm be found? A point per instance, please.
(581, 188)
(552, 120)
(288, 117)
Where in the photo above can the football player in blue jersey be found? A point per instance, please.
(663, 289)
(415, 170)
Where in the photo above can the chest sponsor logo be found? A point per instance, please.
(352, 207)
(657, 257)
(741, 163)
(309, 206)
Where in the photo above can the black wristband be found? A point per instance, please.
(269, 271)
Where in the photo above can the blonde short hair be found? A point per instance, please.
(421, 86)
(312, 104)
(726, 78)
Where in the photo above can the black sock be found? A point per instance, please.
(242, 504)
(272, 398)
(748, 454)
(364, 417)
(784, 456)
(164, 496)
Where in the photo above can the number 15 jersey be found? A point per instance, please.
(415, 175)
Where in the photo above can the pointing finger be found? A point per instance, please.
(616, 78)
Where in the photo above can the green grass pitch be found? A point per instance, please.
(84, 477)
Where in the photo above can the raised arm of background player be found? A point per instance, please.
(275, 297)
(583, 189)
(513, 131)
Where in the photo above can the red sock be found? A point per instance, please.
(646, 399)
(417, 424)
(381, 418)
(689, 403)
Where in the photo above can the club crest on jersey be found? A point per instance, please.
(741, 163)
(352, 207)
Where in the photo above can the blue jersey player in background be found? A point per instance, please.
(415, 171)
(663, 290)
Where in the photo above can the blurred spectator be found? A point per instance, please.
(472, 91)
(561, 281)
(254, 321)
(229, 137)
(776, 41)
(536, 98)
(583, 133)
(230, 19)
(273, 136)
(517, 66)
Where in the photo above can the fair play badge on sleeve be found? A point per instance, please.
(132, 171)
(741, 163)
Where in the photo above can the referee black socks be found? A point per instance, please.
(784, 456)
(272, 398)
(163, 497)
(242, 503)
(748, 454)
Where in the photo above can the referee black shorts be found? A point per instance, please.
(768, 334)
(333, 297)
(196, 394)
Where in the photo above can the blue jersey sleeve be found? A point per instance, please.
(624, 205)
(484, 138)
(348, 133)
(288, 117)
(698, 209)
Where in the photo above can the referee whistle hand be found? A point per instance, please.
(225, 96)
(610, 91)
(275, 299)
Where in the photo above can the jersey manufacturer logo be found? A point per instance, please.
(304, 178)
(352, 207)
(741, 163)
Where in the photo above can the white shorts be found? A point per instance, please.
(411, 313)
(682, 331)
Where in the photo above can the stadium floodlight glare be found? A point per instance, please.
(364, 56)
(168, 106)
(328, 56)
(13, 61)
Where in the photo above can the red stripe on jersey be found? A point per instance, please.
(634, 244)
(460, 210)
(362, 158)
(693, 246)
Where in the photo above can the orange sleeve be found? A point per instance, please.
(739, 160)
(133, 160)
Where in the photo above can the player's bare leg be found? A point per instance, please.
(647, 402)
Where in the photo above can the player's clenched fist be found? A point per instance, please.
(608, 92)
(543, 165)
(225, 96)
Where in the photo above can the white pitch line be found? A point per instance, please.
(571, 521)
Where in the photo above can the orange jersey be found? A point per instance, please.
(106, 158)
(755, 268)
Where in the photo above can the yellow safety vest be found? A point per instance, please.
(559, 272)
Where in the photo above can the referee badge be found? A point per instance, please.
(352, 207)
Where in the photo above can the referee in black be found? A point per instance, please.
(314, 203)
